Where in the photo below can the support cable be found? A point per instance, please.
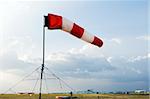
(21, 80)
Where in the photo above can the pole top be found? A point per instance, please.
(45, 21)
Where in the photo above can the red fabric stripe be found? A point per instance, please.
(77, 31)
(54, 21)
(97, 41)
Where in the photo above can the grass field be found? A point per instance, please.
(80, 96)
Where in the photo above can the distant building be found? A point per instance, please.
(29, 93)
(140, 91)
(120, 92)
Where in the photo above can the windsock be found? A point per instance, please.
(58, 22)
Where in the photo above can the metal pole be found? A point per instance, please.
(42, 69)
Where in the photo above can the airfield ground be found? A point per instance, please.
(80, 96)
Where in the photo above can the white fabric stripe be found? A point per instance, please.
(87, 37)
(67, 25)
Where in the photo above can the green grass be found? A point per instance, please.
(80, 96)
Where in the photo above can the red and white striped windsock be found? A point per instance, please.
(58, 22)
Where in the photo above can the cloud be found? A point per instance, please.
(109, 59)
(146, 38)
(9, 62)
(131, 69)
(116, 40)
(84, 64)
(138, 58)
(148, 55)
(78, 65)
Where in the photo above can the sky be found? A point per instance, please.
(121, 64)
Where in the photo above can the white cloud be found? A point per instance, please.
(138, 58)
(116, 40)
(136, 70)
(148, 55)
(78, 63)
(56, 57)
(87, 50)
(109, 59)
(146, 37)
